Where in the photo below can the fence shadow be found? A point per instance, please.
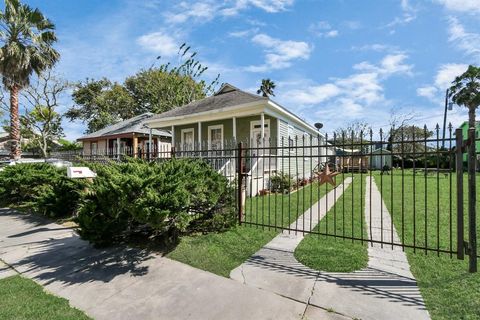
(377, 283)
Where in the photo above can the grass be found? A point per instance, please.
(449, 291)
(283, 209)
(22, 298)
(222, 252)
(334, 254)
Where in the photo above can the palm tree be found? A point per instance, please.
(27, 38)
(267, 87)
(465, 91)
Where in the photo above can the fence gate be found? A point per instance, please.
(402, 188)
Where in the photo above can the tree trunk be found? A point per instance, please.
(471, 117)
(15, 151)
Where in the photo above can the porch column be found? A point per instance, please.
(199, 139)
(150, 141)
(135, 146)
(262, 123)
(173, 136)
(118, 147)
(234, 119)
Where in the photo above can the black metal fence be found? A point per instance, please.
(404, 188)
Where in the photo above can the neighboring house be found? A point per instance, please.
(351, 160)
(130, 137)
(230, 116)
(379, 158)
(4, 147)
(464, 127)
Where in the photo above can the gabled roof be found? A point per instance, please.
(227, 96)
(132, 125)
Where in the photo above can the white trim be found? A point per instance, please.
(199, 134)
(259, 122)
(210, 128)
(241, 110)
(182, 142)
(262, 124)
(255, 106)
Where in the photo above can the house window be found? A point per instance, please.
(291, 142)
(215, 137)
(93, 148)
(187, 139)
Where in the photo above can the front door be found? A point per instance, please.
(256, 134)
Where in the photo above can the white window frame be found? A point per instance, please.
(209, 133)
(291, 137)
(259, 122)
(94, 150)
(182, 140)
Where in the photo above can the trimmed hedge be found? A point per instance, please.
(41, 188)
(155, 199)
(126, 199)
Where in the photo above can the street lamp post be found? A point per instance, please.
(448, 105)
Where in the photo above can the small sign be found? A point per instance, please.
(80, 172)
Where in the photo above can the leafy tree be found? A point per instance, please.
(41, 123)
(157, 89)
(100, 103)
(353, 133)
(27, 38)
(266, 88)
(465, 91)
(66, 145)
(409, 140)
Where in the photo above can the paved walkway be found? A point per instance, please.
(386, 289)
(125, 283)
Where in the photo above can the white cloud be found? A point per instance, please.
(429, 92)
(323, 29)
(279, 54)
(378, 47)
(314, 94)
(469, 6)
(160, 43)
(409, 13)
(347, 98)
(446, 73)
(207, 10)
(243, 33)
(390, 64)
(468, 42)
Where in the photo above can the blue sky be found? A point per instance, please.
(334, 61)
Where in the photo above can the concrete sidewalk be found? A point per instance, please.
(386, 289)
(125, 283)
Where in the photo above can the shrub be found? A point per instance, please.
(281, 182)
(165, 199)
(41, 188)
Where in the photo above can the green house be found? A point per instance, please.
(464, 127)
(272, 134)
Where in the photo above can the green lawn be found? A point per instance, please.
(283, 209)
(450, 292)
(22, 298)
(333, 254)
(222, 252)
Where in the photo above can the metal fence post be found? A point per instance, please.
(472, 219)
(172, 153)
(459, 172)
(240, 182)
